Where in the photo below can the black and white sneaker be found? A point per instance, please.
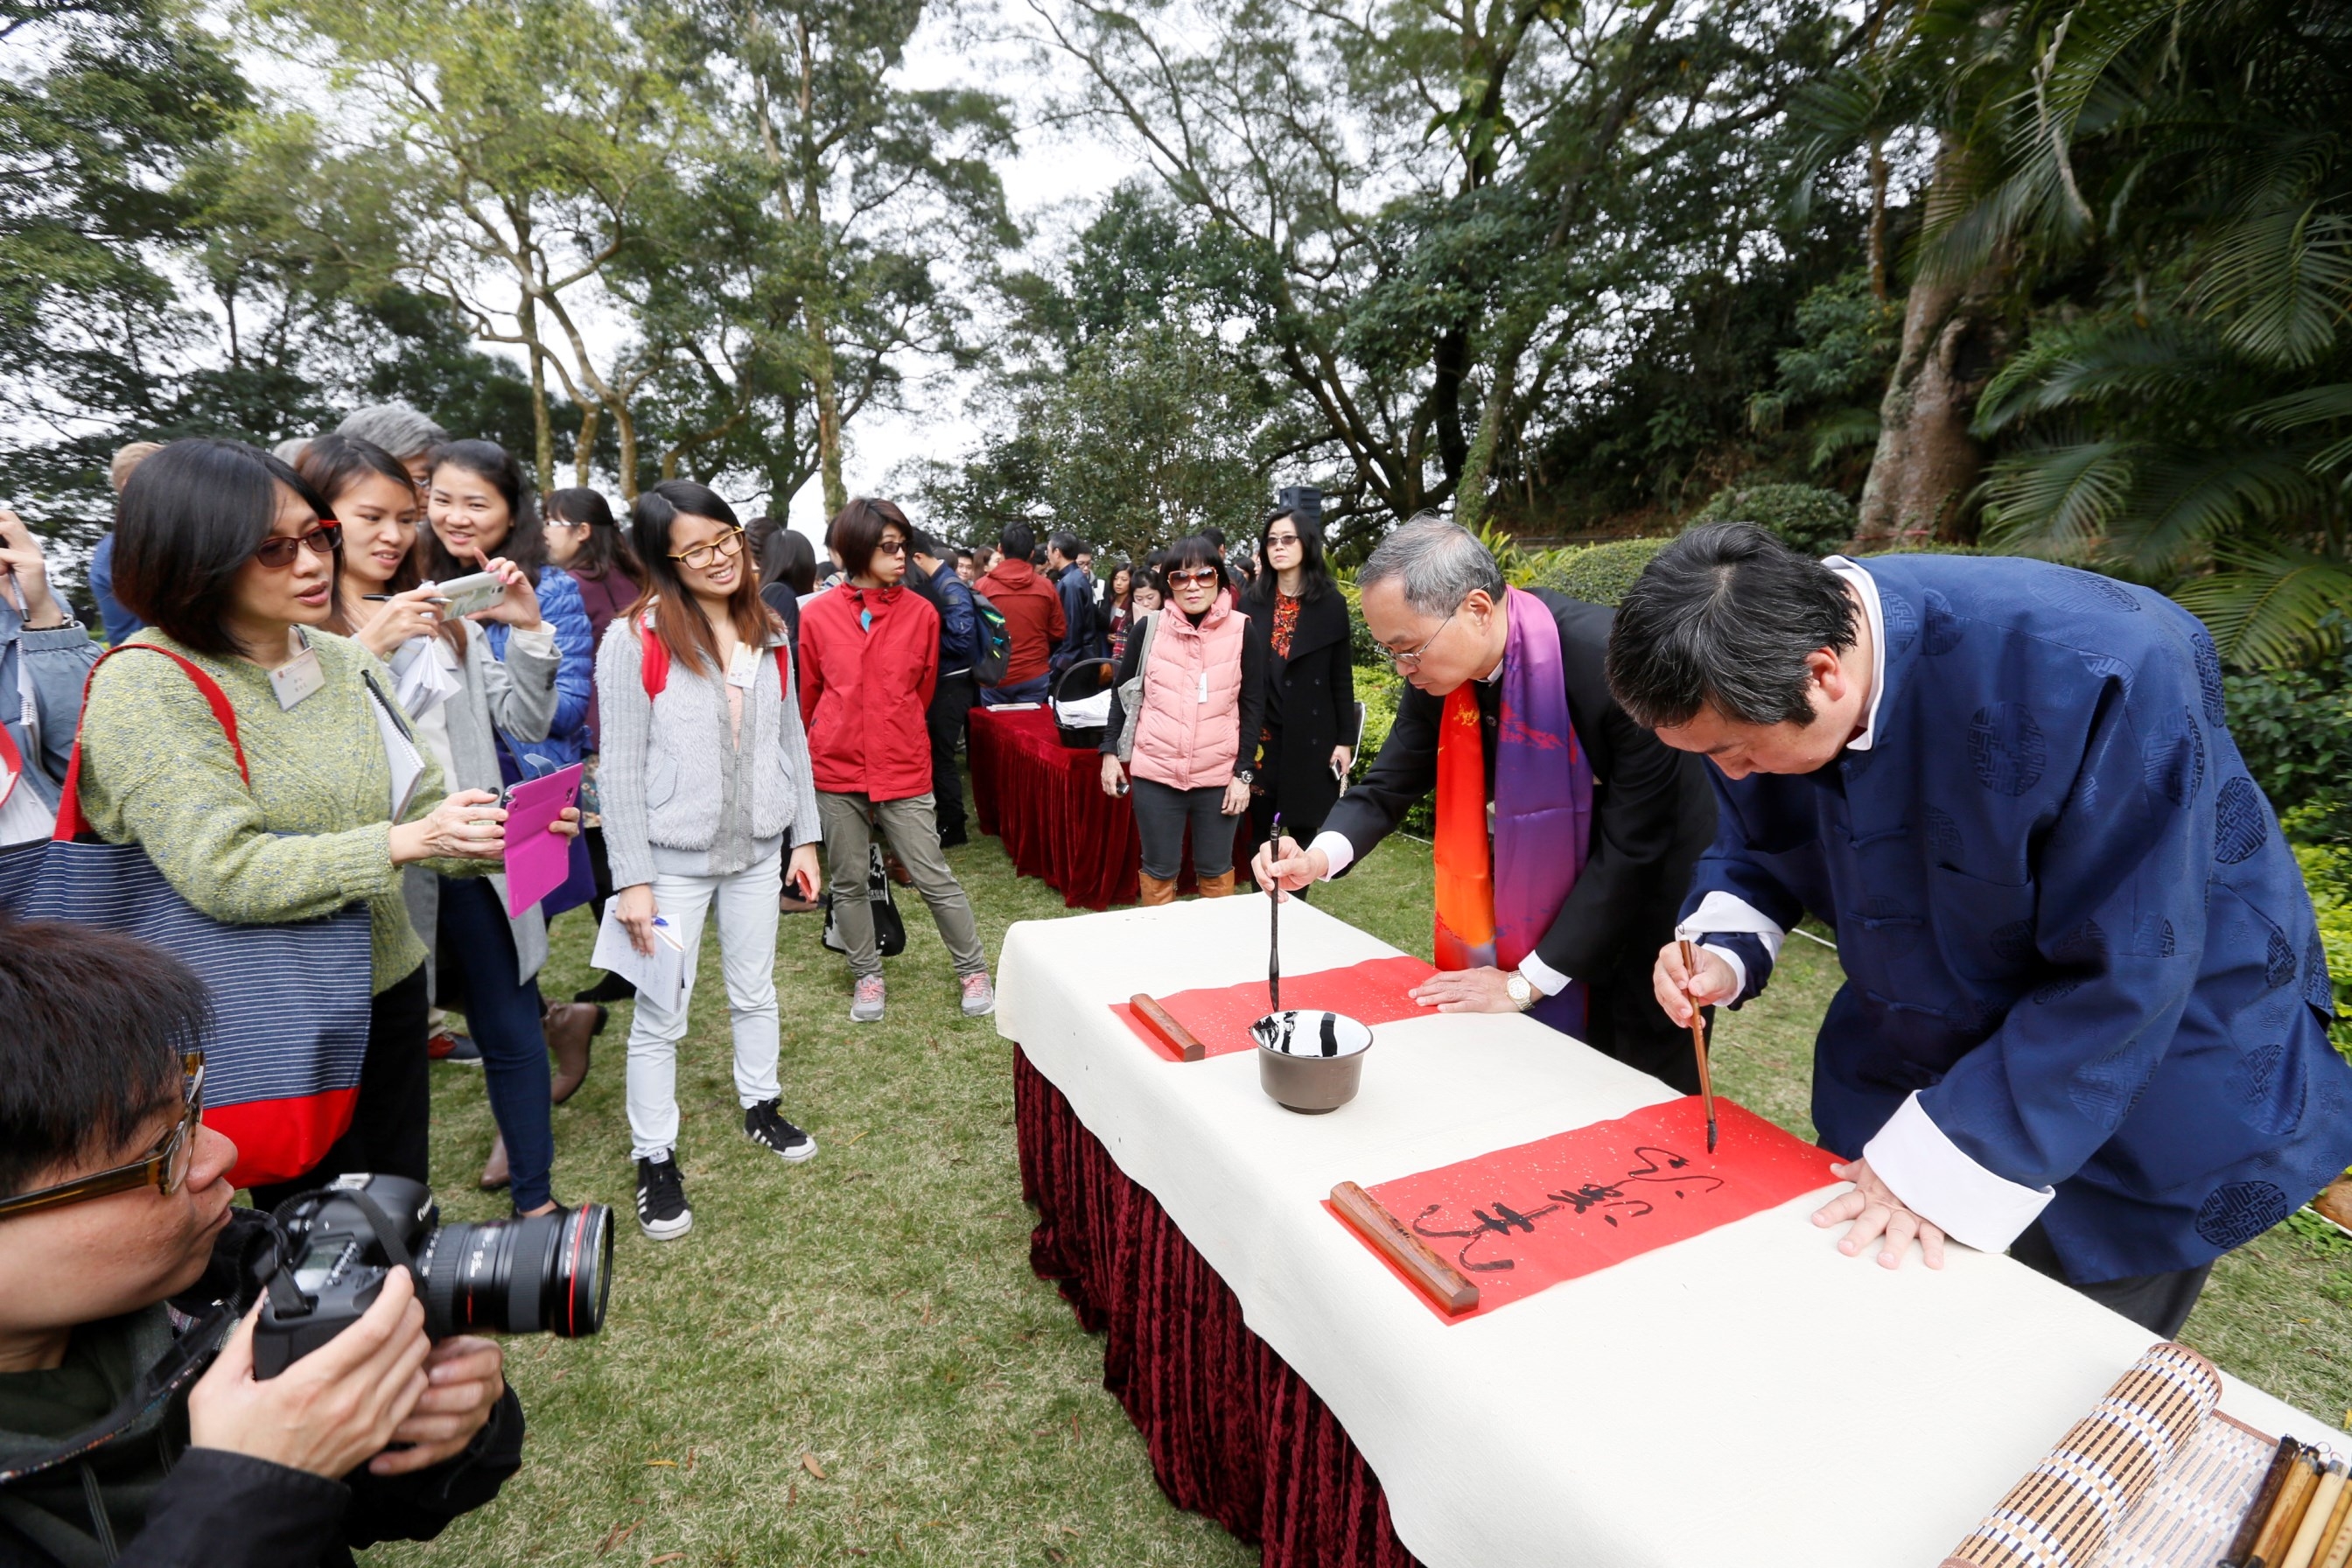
(662, 1213)
(764, 1124)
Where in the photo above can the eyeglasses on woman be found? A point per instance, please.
(277, 550)
(700, 556)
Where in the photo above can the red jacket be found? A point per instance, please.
(863, 690)
(1032, 617)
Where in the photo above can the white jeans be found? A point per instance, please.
(747, 957)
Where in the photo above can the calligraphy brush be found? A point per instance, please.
(1273, 924)
(1698, 1042)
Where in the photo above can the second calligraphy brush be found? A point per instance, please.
(1273, 924)
(1698, 1044)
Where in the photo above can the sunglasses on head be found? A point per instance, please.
(163, 1167)
(277, 550)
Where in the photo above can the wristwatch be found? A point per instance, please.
(1522, 995)
(1244, 775)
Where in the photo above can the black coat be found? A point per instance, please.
(1653, 816)
(171, 1506)
(1310, 707)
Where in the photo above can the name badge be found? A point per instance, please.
(300, 677)
(740, 671)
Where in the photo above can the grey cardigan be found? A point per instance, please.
(516, 695)
(665, 776)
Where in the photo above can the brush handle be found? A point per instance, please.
(1274, 923)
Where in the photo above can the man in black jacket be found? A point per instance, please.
(132, 1431)
(1434, 597)
(1082, 635)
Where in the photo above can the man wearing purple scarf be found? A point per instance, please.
(1556, 902)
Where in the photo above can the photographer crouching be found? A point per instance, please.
(133, 1430)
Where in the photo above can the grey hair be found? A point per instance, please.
(397, 428)
(290, 451)
(1438, 563)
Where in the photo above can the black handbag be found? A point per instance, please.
(889, 930)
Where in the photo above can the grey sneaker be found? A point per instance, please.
(979, 996)
(865, 1006)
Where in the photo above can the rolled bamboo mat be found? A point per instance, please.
(2072, 1509)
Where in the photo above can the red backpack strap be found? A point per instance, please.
(71, 823)
(653, 658)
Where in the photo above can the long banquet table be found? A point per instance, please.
(1747, 1395)
(1046, 801)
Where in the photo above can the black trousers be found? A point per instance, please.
(393, 1118)
(2159, 1303)
(950, 712)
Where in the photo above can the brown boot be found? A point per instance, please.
(495, 1174)
(570, 1026)
(1220, 886)
(1157, 889)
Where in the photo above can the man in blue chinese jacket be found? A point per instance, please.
(2085, 1008)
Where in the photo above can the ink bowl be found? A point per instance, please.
(1311, 1062)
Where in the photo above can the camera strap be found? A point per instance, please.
(387, 1235)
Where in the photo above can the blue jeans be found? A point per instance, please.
(1030, 691)
(477, 957)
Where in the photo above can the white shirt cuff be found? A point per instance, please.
(1335, 845)
(1720, 912)
(1542, 975)
(1938, 1182)
(538, 640)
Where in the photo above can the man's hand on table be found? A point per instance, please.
(1877, 1213)
(1715, 983)
(1284, 861)
(1466, 991)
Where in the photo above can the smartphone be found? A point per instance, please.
(477, 591)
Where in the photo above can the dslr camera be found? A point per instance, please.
(549, 1273)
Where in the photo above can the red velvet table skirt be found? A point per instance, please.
(1046, 801)
(1232, 1431)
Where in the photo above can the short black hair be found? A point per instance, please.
(97, 1025)
(1018, 541)
(922, 544)
(190, 516)
(1193, 549)
(1068, 543)
(857, 528)
(1725, 617)
(604, 549)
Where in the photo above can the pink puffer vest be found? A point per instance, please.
(1190, 733)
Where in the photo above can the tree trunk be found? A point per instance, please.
(1927, 461)
(625, 428)
(542, 431)
(584, 452)
(828, 412)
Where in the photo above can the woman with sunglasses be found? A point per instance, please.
(1303, 750)
(231, 559)
(869, 667)
(708, 805)
(1203, 667)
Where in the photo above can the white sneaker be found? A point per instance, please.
(979, 996)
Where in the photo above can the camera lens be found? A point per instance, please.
(549, 1273)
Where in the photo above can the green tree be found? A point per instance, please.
(2173, 187)
(1443, 211)
(1154, 434)
(106, 104)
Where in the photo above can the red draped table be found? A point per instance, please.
(1702, 1402)
(1046, 801)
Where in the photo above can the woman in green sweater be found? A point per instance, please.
(232, 562)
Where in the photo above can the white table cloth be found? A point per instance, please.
(1748, 1395)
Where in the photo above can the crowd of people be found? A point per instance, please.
(2086, 1023)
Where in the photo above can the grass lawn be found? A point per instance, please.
(850, 1358)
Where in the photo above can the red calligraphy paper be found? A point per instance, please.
(1522, 1219)
(1373, 991)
